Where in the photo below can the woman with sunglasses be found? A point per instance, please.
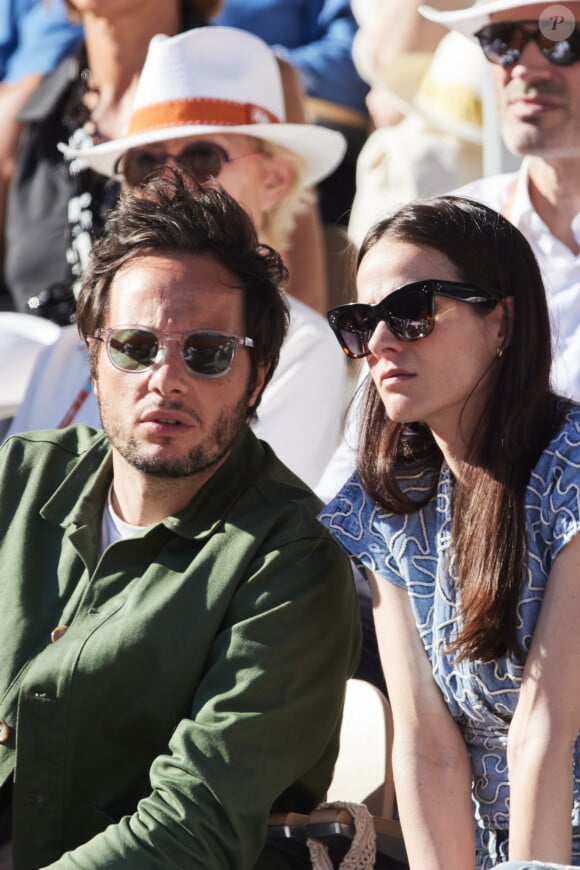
(465, 511)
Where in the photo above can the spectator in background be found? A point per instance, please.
(218, 91)
(52, 215)
(425, 103)
(316, 37)
(34, 35)
(535, 69)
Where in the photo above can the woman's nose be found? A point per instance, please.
(383, 340)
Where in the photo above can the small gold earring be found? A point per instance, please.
(499, 352)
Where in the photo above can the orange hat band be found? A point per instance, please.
(199, 110)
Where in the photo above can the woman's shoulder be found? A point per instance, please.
(414, 482)
(555, 479)
(562, 453)
(553, 493)
(364, 527)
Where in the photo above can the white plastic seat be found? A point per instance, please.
(532, 865)
(22, 337)
(363, 772)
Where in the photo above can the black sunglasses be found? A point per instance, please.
(206, 353)
(204, 160)
(504, 41)
(409, 312)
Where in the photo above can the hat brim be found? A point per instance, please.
(320, 148)
(469, 21)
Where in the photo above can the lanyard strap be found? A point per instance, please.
(76, 404)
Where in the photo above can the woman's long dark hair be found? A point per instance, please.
(520, 416)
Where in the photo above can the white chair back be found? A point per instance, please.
(363, 771)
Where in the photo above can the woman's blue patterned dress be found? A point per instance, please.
(414, 552)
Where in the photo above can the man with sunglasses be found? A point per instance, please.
(177, 627)
(534, 54)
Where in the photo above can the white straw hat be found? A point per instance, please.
(469, 21)
(214, 80)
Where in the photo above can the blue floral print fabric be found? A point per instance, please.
(414, 552)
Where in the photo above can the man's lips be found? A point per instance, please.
(535, 99)
(529, 105)
(167, 417)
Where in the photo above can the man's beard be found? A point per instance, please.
(530, 136)
(200, 458)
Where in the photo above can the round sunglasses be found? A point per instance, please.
(409, 312)
(204, 160)
(206, 354)
(504, 41)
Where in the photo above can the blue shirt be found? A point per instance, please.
(314, 35)
(34, 36)
(414, 552)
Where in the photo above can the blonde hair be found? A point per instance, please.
(279, 223)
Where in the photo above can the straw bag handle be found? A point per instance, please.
(363, 849)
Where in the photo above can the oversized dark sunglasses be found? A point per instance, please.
(204, 160)
(409, 312)
(504, 41)
(206, 353)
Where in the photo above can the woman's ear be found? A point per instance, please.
(277, 179)
(505, 321)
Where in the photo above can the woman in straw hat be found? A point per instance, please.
(53, 216)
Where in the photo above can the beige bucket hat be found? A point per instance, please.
(214, 80)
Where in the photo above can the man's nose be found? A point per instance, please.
(169, 373)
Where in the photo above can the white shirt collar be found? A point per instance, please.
(522, 213)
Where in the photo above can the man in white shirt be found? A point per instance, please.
(534, 54)
(211, 100)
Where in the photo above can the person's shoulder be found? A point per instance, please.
(68, 342)
(491, 190)
(276, 495)
(35, 465)
(552, 497)
(353, 514)
(279, 485)
(50, 445)
(309, 327)
(566, 440)
(560, 459)
(303, 315)
(53, 89)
